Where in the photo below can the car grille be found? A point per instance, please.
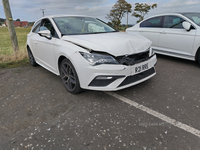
(137, 77)
(133, 59)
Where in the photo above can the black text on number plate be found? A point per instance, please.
(141, 68)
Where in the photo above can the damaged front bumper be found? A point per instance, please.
(108, 77)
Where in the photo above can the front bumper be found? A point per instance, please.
(113, 77)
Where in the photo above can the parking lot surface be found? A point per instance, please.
(36, 111)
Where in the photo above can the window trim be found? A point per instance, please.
(35, 25)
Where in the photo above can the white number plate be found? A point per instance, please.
(141, 68)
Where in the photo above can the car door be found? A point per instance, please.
(45, 47)
(150, 29)
(174, 39)
(33, 36)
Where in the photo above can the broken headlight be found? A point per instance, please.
(99, 58)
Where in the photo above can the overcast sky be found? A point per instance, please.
(27, 10)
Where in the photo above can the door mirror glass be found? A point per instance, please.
(45, 33)
(186, 25)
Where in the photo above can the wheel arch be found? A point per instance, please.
(60, 59)
(28, 47)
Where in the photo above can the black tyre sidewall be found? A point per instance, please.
(198, 57)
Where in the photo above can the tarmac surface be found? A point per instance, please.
(163, 113)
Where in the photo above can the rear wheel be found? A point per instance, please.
(69, 77)
(31, 57)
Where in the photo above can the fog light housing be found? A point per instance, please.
(104, 80)
(104, 77)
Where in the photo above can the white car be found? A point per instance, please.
(172, 34)
(89, 54)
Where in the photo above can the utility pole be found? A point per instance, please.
(127, 20)
(42, 11)
(10, 24)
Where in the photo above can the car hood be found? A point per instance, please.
(116, 44)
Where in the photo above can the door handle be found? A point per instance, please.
(163, 32)
(35, 42)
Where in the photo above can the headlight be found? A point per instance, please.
(97, 58)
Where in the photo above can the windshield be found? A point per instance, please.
(81, 25)
(195, 17)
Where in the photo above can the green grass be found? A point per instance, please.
(7, 56)
(5, 42)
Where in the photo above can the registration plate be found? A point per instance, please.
(141, 68)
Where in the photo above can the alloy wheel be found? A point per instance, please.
(68, 76)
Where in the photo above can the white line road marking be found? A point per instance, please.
(157, 114)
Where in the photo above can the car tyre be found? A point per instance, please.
(31, 57)
(69, 77)
(198, 57)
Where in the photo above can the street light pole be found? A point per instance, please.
(10, 24)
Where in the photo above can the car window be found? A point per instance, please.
(43, 28)
(36, 27)
(195, 17)
(155, 22)
(47, 25)
(81, 25)
(173, 22)
(196, 20)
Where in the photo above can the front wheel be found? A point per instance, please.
(69, 77)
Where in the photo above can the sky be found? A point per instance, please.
(27, 10)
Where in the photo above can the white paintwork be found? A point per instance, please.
(45, 33)
(182, 43)
(186, 25)
(48, 51)
(117, 43)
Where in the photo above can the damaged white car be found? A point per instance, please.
(89, 54)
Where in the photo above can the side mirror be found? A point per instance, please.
(45, 33)
(186, 25)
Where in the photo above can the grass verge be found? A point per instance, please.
(14, 63)
(7, 57)
(14, 60)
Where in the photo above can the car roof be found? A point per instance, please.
(54, 16)
(173, 13)
(170, 13)
(189, 13)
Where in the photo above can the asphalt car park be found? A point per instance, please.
(37, 112)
